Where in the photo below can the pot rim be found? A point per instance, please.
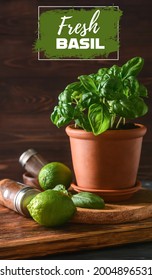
(115, 192)
(110, 133)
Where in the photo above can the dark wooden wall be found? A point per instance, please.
(29, 88)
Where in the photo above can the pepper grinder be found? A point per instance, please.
(32, 161)
(16, 196)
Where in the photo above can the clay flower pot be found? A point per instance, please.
(107, 164)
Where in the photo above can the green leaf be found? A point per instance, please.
(99, 118)
(131, 86)
(58, 119)
(82, 121)
(131, 108)
(88, 200)
(76, 86)
(76, 95)
(102, 71)
(132, 67)
(95, 100)
(88, 98)
(88, 83)
(65, 96)
(112, 89)
(55, 115)
(63, 121)
(114, 71)
(67, 110)
(140, 107)
(143, 91)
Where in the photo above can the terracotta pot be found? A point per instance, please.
(107, 164)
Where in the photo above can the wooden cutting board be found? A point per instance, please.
(135, 209)
(22, 238)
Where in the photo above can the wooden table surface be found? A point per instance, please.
(23, 238)
(29, 89)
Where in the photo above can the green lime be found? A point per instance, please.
(51, 208)
(61, 188)
(53, 174)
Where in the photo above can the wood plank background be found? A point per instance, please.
(29, 88)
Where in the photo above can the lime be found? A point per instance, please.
(51, 208)
(53, 174)
(61, 188)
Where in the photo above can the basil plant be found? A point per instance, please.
(103, 100)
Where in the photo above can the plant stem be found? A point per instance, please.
(119, 121)
(75, 125)
(113, 120)
(103, 100)
(124, 121)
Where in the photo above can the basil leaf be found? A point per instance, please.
(88, 200)
(65, 96)
(102, 71)
(112, 89)
(88, 98)
(115, 71)
(55, 115)
(58, 119)
(130, 108)
(97, 99)
(62, 121)
(131, 86)
(74, 86)
(76, 95)
(67, 110)
(132, 67)
(82, 121)
(143, 91)
(88, 83)
(99, 118)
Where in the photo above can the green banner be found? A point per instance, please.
(78, 33)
